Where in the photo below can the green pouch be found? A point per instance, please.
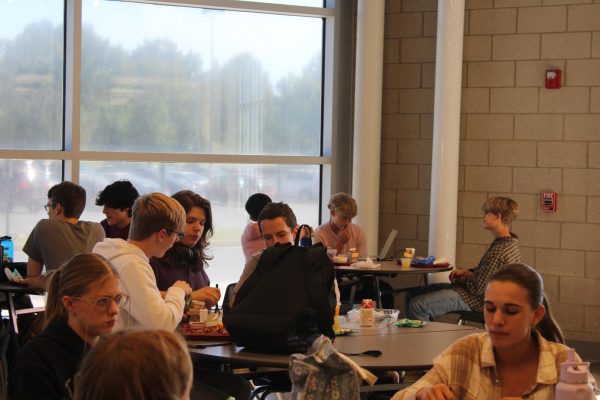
(411, 323)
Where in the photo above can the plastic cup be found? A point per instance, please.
(405, 262)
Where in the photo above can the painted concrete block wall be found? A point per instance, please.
(517, 138)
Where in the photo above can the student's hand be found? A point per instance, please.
(184, 285)
(435, 392)
(343, 237)
(38, 282)
(458, 274)
(209, 295)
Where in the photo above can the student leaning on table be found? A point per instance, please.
(519, 355)
(339, 232)
(83, 303)
(187, 259)
(158, 222)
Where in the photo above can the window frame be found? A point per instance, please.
(71, 155)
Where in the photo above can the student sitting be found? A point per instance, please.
(135, 365)
(117, 200)
(465, 292)
(252, 241)
(158, 222)
(83, 303)
(187, 258)
(519, 356)
(277, 223)
(339, 232)
(55, 240)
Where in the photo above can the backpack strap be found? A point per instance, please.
(319, 276)
(307, 228)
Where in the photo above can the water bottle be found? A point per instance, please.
(573, 383)
(7, 249)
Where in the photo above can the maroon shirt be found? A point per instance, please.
(176, 266)
(111, 231)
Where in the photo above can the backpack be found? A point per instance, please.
(286, 303)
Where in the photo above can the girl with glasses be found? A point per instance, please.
(83, 303)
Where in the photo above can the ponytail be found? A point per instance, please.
(548, 327)
(530, 280)
(74, 278)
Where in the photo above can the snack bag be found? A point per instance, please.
(411, 323)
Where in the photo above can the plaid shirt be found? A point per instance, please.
(503, 250)
(468, 368)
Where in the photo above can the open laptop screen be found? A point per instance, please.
(387, 245)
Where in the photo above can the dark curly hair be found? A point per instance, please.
(189, 199)
(120, 194)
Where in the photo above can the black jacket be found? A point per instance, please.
(43, 367)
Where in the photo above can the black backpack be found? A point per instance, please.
(286, 303)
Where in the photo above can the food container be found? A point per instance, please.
(367, 313)
(381, 318)
(353, 255)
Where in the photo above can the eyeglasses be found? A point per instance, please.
(48, 206)
(180, 235)
(104, 302)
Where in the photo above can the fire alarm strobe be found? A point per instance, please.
(549, 201)
(553, 79)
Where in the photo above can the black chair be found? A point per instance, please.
(464, 317)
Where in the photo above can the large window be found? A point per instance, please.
(225, 102)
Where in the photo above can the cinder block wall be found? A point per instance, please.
(517, 138)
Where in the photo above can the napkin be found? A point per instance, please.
(367, 264)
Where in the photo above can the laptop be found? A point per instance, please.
(387, 245)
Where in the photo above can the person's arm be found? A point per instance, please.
(493, 259)
(458, 276)
(32, 378)
(320, 238)
(34, 278)
(361, 242)
(146, 305)
(342, 238)
(209, 295)
(432, 384)
(248, 270)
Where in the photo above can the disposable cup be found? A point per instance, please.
(406, 263)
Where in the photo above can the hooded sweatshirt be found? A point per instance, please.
(145, 309)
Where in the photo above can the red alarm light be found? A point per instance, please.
(553, 79)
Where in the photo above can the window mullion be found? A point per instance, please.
(72, 93)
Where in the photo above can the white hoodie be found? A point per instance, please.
(146, 309)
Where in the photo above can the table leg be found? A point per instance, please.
(12, 315)
(377, 291)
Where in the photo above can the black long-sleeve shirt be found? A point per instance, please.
(47, 363)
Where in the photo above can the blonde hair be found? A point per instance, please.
(507, 208)
(75, 278)
(153, 212)
(343, 204)
(136, 364)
